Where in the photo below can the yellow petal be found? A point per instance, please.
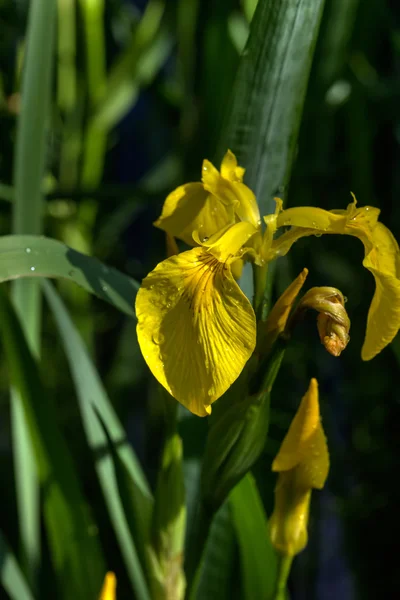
(233, 193)
(229, 243)
(313, 218)
(108, 591)
(304, 446)
(237, 268)
(196, 329)
(190, 207)
(382, 258)
(230, 169)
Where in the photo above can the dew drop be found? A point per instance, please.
(205, 239)
(28, 250)
(205, 168)
(158, 338)
(314, 224)
(317, 234)
(33, 268)
(168, 304)
(71, 273)
(104, 288)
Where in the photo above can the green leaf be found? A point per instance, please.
(96, 410)
(30, 256)
(215, 575)
(258, 559)
(6, 192)
(29, 164)
(11, 576)
(75, 550)
(267, 99)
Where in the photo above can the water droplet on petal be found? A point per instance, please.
(205, 239)
(158, 338)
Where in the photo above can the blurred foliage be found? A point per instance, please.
(139, 98)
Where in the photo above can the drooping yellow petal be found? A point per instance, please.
(382, 259)
(304, 446)
(190, 207)
(108, 591)
(196, 329)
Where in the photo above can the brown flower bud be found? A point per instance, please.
(333, 321)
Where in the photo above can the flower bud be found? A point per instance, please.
(303, 464)
(333, 321)
(108, 591)
(277, 319)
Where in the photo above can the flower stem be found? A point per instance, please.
(284, 566)
(260, 282)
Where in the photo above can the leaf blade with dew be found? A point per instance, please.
(33, 256)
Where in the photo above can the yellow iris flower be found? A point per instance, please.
(303, 464)
(196, 328)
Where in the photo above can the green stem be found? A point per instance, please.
(284, 566)
(260, 283)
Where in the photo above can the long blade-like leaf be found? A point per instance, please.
(30, 256)
(267, 99)
(75, 550)
(95, 407)
(11, 576)
(29, 161)
(259, 565)
(215, 575)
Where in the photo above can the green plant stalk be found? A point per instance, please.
(259, 285)
(284, 566)
(27, 218)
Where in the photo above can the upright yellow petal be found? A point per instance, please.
(230, 169)
(190, 207)
(108, 591)
(196, 328)
(231, 192)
